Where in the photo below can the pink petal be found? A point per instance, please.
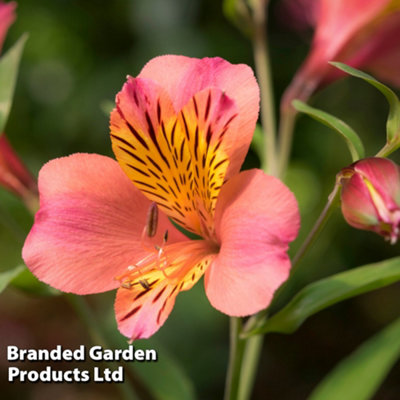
(89, 226)
(183, 77)
(384, 176)
(357, 205)
(344, 27)
(381, 55)
(7, 17)
(256, 217)
(339, 20)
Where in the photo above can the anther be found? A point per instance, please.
(126, 285)
(145, 284)
(152, 220)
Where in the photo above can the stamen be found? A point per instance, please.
(152, 221)
(144, 283)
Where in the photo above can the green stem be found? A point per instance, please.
(318, 226)
(236, 350)
(388, 149)
(251, 357)
(263, 71)
(85, 313)
(286, 129)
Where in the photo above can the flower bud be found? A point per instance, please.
(7, 17)
(359, 33)
(371, 196)
(14, 176)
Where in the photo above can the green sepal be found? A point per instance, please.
(351, 138)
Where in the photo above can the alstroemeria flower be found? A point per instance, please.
(14, 176)
(180, 132)
(371, 196)
(7, 17)
(363, 34)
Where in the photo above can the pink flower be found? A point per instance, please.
(371, 196)
(7, 17)
(359, 33)
(13, 174)
(180, 132)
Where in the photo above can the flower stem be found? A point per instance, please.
(236, 350)
(318, 226)
(85, 313)
(286, 129)
(251, 357)
(388, 149)
(263, 71)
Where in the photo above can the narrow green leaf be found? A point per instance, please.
(393, 122)
(359, 376)
(326, 292)
(7, 276)
(167, 380)
(28, 283)
(8, 77)
(351, 138)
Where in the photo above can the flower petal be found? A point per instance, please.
(178, 161)
(357, 205)
(148, 291)
(384, 175)
(89, 226)
(342, 29)
(256, 217)
(183, 77)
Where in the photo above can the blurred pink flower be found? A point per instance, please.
(7, 17)
(360, 33)
(371, 196)
(13, 174)
(180, 132)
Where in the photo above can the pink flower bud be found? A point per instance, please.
(7, 17)
(362, 34)
(371, 196)
(14, 176)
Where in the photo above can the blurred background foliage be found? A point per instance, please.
(75, 61)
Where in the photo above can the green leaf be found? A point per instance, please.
(393, 122)
(167, 380)
(164, 379)
(27, 282)
(359, 375)
(351, 138)
(7, 276)
(8, 77)
(326, 292)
